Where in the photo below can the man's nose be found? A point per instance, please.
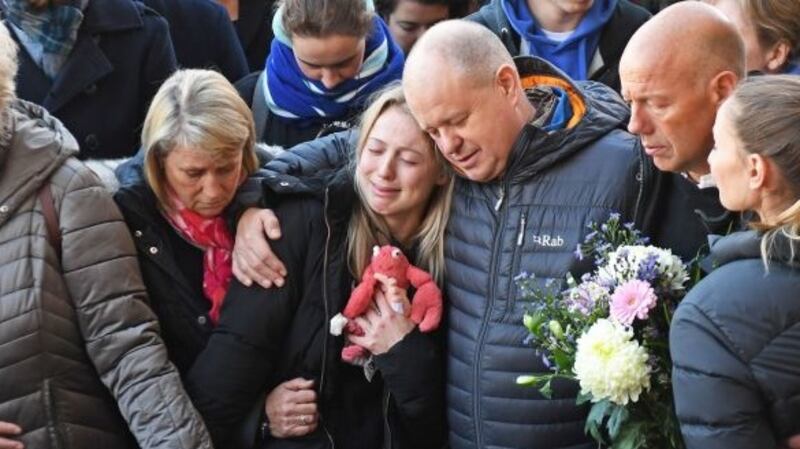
(449, 143)
(639, 122)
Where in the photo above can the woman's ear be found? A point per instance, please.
(778, 56)
(757, 171)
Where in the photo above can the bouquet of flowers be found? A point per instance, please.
(609, 332)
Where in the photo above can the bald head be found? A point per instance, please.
(687, 37)
(465, 48)
(675, 72)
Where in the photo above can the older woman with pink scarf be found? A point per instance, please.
(198, 147)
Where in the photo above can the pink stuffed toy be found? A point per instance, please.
(426, 305)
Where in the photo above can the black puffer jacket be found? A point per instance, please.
(735, 344)
(267, 337)
(626, 20)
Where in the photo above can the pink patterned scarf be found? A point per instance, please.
(211, 235)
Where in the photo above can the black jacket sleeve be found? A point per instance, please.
(304, 160)
(413, 371)
(240, 358)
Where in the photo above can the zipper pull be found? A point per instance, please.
(521, 234)
(500, 200)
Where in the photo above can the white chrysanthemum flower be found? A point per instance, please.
(610, 364)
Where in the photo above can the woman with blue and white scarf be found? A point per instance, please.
(326, 59)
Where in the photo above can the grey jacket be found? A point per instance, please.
(735, 344)
(78, 343)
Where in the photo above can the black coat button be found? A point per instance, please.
(91, 142)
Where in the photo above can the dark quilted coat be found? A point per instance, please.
(530, 220)
(735, 344)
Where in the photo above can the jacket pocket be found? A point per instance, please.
(516, 260)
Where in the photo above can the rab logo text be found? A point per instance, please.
(548, 240)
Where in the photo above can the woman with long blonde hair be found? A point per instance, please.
(396, 191)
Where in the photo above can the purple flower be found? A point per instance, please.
(578, 253)
(648, 268)
(521, 277)
(545, 360)
(579, 300)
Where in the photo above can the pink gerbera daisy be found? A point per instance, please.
(633, 299)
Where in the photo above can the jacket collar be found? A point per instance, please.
(747, 245)
(112, 15)
(87, 63)
(37, 146)
(597, 110)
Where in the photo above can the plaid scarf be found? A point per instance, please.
(49, 33)
(213, 237)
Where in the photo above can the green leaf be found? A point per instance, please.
(594, 431)
(562, 359)
(583, 398)
(618, 417)
(598, 412)
(631, 436)
(546, 389)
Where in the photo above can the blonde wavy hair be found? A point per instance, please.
(201, 110)
(368, 229)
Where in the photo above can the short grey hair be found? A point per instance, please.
(470, 49)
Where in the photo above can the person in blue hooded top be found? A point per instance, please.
(327, 58)
(584, 38)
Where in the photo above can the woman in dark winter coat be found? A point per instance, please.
(203, 36)
(253, 24)
(198, 147)
(94, 64)
(735, 339)
(325, 60)
(397, 191)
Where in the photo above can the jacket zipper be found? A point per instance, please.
(641, 179)
(327, 314)
(476, 406)
(388, 439)
(521, 232)
(51, 415)
(500, 199)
